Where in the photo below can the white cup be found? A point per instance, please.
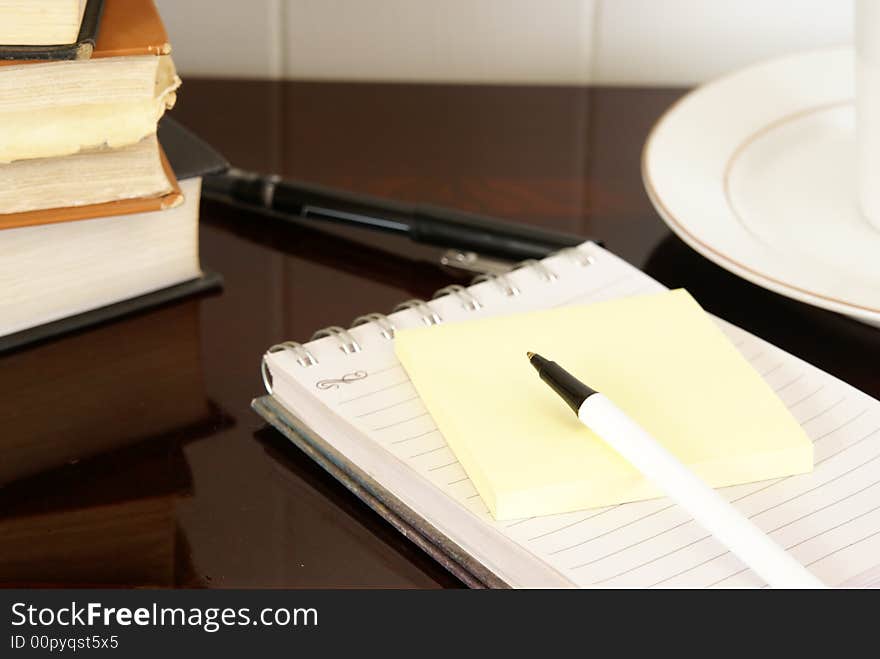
(868, 106)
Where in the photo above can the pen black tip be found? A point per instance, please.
(536, 360)
(573, 391)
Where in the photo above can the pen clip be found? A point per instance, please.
(473, 262)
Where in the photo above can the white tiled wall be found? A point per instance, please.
(479, 40)
(226, 37)
(685, 41)
(531, 41)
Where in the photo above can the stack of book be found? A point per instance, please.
(91, 212)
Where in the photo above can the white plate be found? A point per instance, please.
(757, 172)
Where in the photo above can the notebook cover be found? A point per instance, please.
(403, 518)
(209, 281)
(110, 208)
(126, 27)
(81, 49)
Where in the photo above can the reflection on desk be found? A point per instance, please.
(93, 426)
(101, 522)
(102, 389)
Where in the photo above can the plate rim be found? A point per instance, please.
(713, 253)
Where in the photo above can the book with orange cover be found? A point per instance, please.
(71, 147)
(50, 109)
(131, 27)
(171, 199)
(63, 276)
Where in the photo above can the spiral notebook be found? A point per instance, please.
(346, 401)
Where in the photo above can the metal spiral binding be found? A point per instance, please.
(468, 301)
(578, 255)
(303, 357)
(429, 316)
(509, 288)
(380, 319)
(546, 273)
(347, 343)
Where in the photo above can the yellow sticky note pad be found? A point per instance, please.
(660, 357)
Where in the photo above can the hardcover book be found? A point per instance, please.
(56, 108)
(49, 29)
(101, 183)
(110, 266)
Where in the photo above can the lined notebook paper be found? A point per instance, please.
(353, 392)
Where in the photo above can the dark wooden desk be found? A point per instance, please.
(222, 501)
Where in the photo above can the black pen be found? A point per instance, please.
(422, 223)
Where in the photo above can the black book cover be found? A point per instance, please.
(81, 49)
(208, 282)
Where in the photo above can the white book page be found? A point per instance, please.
(829, 519)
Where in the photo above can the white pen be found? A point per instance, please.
(751, 545)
